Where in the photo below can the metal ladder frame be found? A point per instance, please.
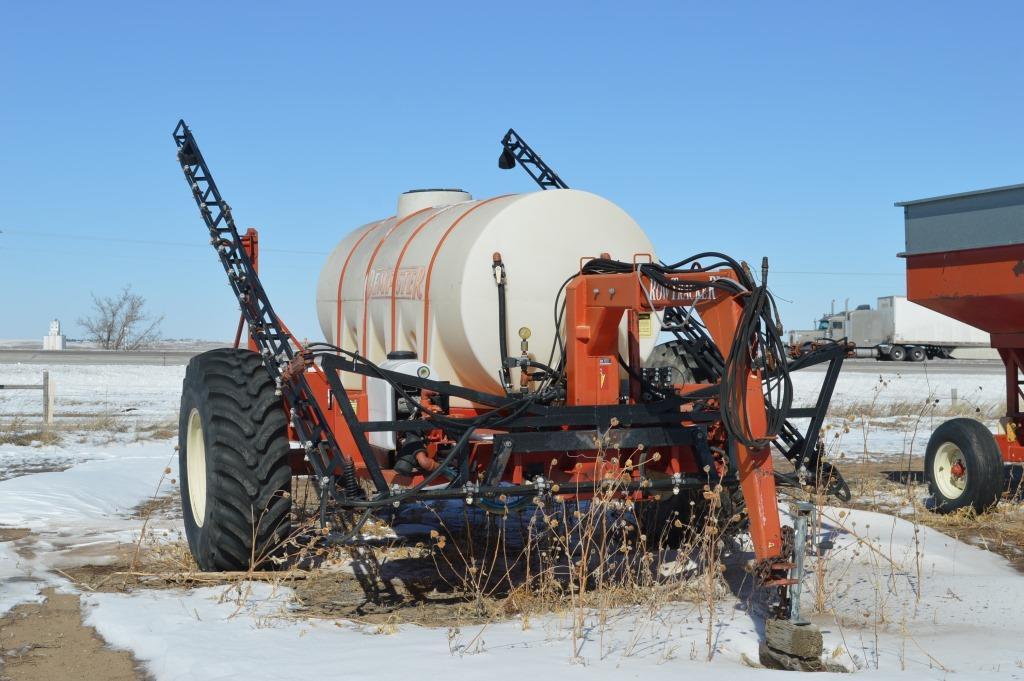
(268, 333)
(516, 150)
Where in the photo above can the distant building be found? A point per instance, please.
(55, 339)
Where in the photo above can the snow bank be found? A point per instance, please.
(90, 496)
(876, 439)
(18, 460)
(87, 504)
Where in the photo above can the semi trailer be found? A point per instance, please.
(897, 329)
(418, 394)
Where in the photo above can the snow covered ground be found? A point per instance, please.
(866, 383)
(910, 603)
(73, 344)
(143, 393)
(88, 506)
(93, 404)
(921, 394)
(901, 601)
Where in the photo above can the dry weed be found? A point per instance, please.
(99, 428)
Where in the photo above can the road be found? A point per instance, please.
(933, 367)
(148, 357)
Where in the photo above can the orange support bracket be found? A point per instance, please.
(595, 305)
(721, 315)
(251, 246)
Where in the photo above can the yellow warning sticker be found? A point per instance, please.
(646, 328)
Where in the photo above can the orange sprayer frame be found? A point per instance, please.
(595, 305)
(251, 246)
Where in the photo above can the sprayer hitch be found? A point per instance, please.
(791, 642)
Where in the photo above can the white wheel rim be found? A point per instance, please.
(949, 470)
(195, 461)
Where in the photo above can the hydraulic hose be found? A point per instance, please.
(498, 269)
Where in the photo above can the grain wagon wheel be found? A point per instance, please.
(964, 466)
(233, 462)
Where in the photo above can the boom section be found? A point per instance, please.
(286, 365)
(516, 150)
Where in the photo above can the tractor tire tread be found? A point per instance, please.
(248, 472)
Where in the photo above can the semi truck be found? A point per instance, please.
(897, 329)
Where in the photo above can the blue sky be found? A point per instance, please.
(778, 129)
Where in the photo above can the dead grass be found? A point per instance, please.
(587, 563)
(914, 409)
(15, 432)
(878, 405)
(157, 431)
(1000, 530)
(104, 428)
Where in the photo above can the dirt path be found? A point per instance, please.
(48, 642)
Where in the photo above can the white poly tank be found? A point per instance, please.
(422, 280)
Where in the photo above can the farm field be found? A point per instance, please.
(91, 536)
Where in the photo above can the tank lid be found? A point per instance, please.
(417, 199)
(401, 354)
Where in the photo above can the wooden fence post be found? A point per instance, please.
(47, 399)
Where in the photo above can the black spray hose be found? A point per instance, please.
(498, 269)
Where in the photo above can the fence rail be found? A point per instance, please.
(48, 394)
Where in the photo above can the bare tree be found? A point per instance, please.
(121, 322)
